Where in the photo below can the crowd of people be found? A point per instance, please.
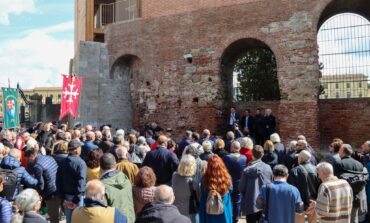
(89, 174)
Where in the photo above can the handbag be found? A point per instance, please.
(264, 218)
(193, 200)
(134, 157)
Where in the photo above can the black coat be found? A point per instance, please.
(348, 163)
(270, 125)
(304, 177)
(161, 213)
(250, 124)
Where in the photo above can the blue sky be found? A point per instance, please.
(36, 41)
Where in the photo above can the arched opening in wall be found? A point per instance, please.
(124, 71)
(249, 72)
(344, 56)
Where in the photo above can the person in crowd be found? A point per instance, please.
(93, 164)
(98, 137)
(195, 139)
(365, 149)
(5, 206)
(333, 156)
(46, 138)
(149, 137)
(246, 144)
(2, 151)
(253, 177)
(118, 140)
(45, 170)
(232, 118)
(95, 210)
(12, 162)
(142, 147)
(310, 149)
(348, 164)
(304, 177)
(137, 154)
(88, 145)
(143, 189)
(247, 123)
(4, 138)
(206, 136)
(270, 123)
(184, 143)
(61, 152)
(71, 179)
(284, 199)
(182, 184)
(68, 136)
(28, 203)
(216, 181)
(207, 148)
(290, 156)
(270, 157)
(220, 148)
(230, 137)
(235, 164)
(162, 208)
(331, 191)
(237, 132)
(118, 187)
(163, 162)
(125, 166)
(169, 133)
(157, 130)
(59, 138)
(279, 147)
(260, 127)
(106, 143)
(76, 134)
(300, 146)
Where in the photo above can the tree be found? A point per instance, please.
(257, 76)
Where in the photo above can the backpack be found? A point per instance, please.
(10, 183)
(357, 180)
(214, 204)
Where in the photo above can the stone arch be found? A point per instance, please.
(125, 72)
(360, 7)
(230, 57)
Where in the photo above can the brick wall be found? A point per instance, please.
(348, 119)
(150, 8)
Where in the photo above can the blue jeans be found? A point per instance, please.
(67, 211)
(236, 199)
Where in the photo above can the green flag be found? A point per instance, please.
(10, 105)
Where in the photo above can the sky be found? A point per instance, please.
(36, 42)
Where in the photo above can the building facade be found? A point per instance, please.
(345, 86)
(172, 61)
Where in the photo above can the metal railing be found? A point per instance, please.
(116, 12)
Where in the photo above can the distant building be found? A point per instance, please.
(53, 93)
(345, 86)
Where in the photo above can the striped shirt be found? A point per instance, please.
(334, 201)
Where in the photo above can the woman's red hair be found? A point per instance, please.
(216, 176)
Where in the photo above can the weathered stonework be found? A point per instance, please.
(164, 87)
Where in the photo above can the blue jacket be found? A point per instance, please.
(163, 162)
(367, 165)
(45, 170)
(235, 164)
(10, 163)
(71, 178)
(6, 211)
(86, 148)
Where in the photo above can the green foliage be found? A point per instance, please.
(257, 76)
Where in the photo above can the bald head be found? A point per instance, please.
(164, 194)
(235, 146)
(95, 190)
(162, 140)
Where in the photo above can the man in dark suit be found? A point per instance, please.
(260, 128)
(247, 123)
(232, 118)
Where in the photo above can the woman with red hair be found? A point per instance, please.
(216, 179)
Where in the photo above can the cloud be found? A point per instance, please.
(37, 58)
(15, 7)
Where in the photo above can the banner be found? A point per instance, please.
(71, 91)
(10, 108)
